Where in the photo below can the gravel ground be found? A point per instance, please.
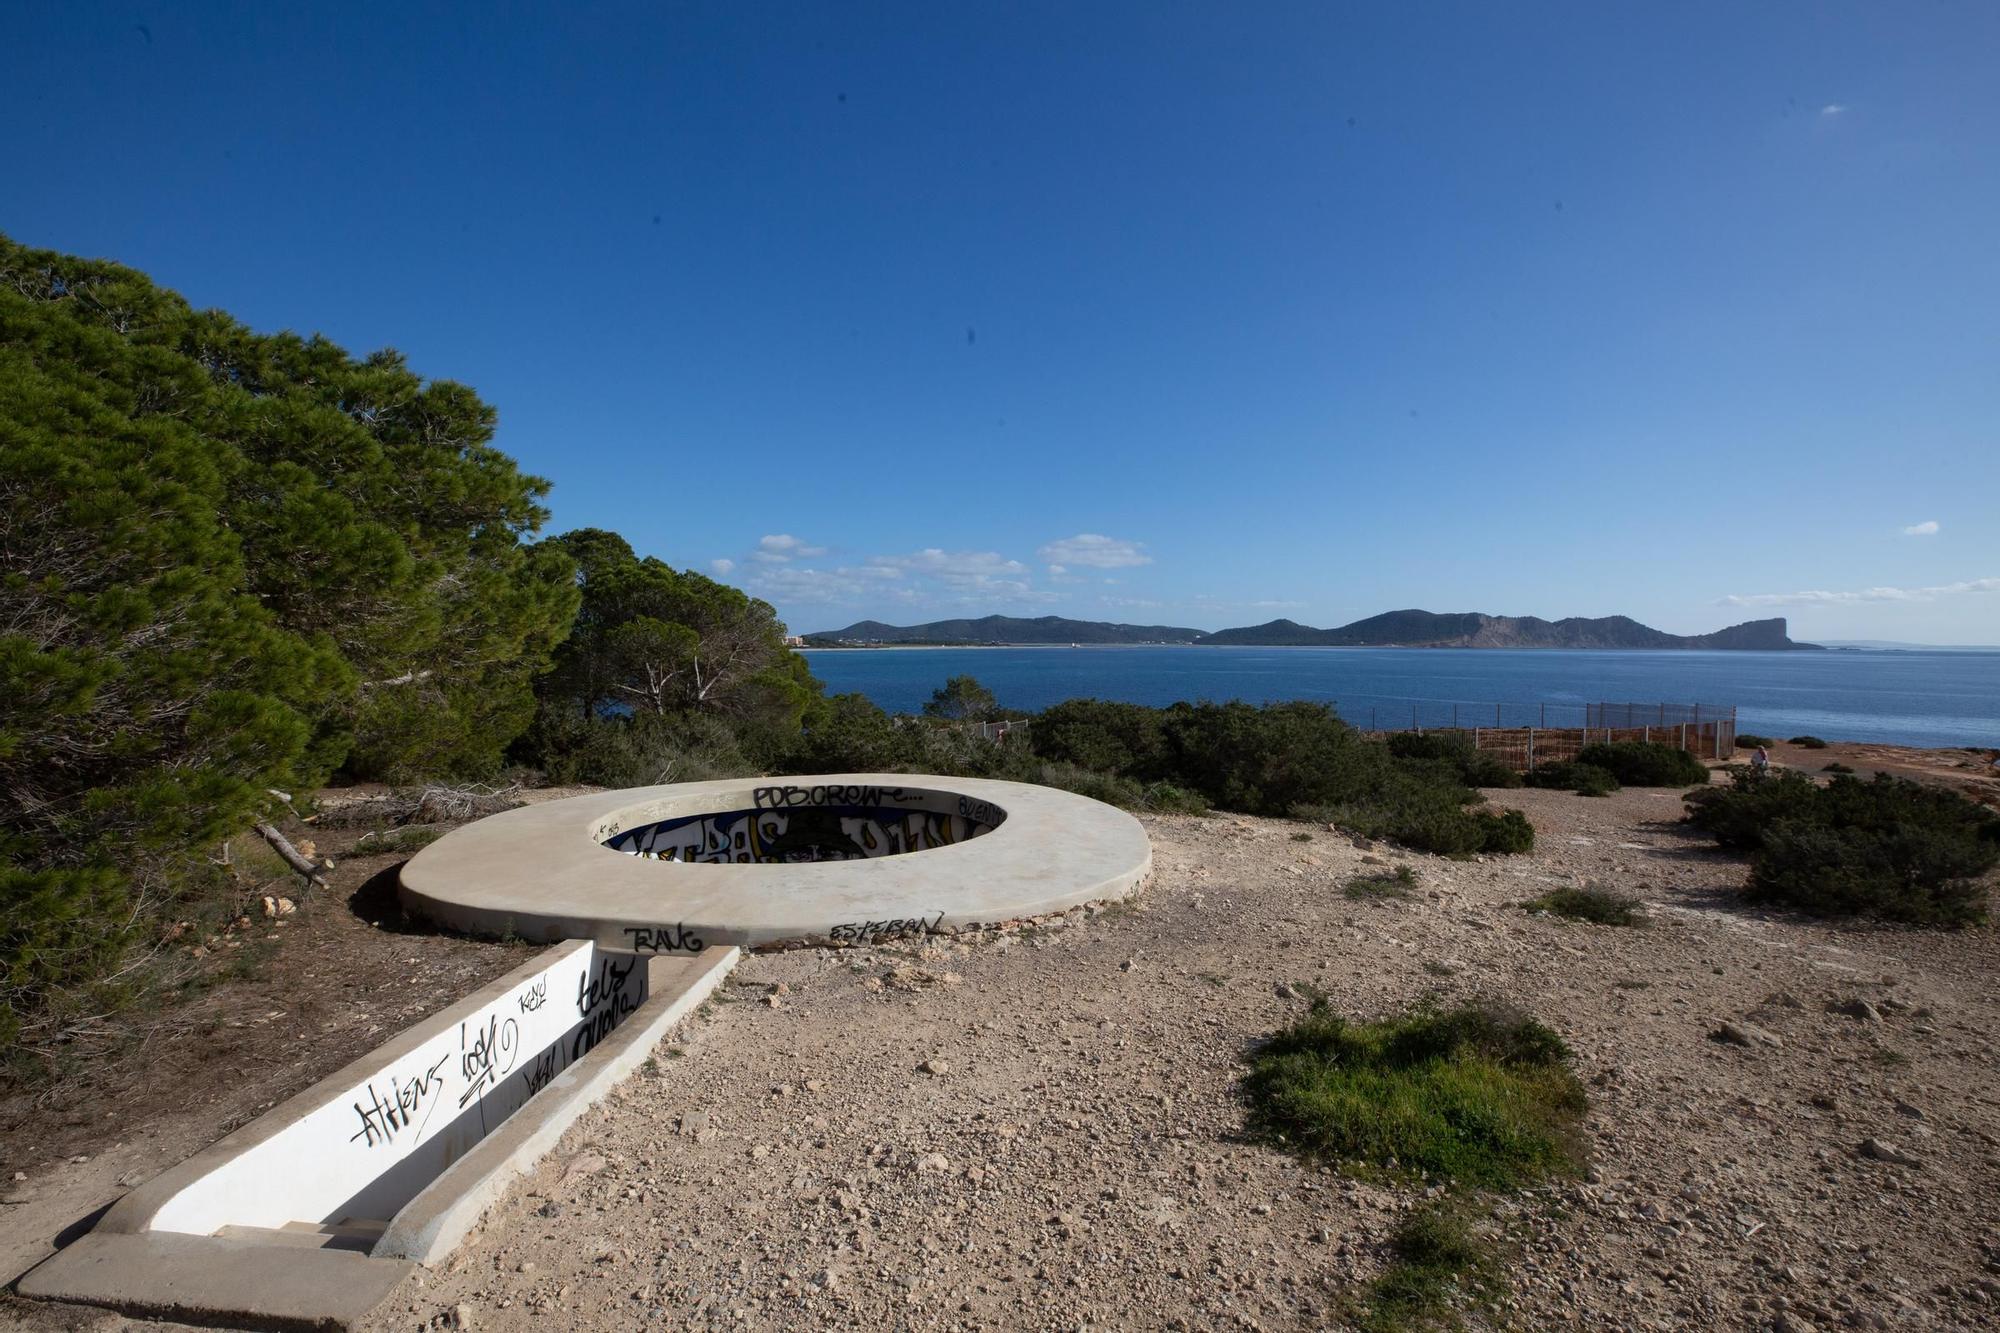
(1038, 1127)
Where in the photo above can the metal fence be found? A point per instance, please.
(1529, 735)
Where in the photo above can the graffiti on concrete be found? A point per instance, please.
(861, 931)
(800, 833)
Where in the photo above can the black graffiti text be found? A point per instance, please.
(602, 1001)
(535, 996)
(386, 1117)
(875, 930)
(481, 1053)
(676, 938)
(784, 798)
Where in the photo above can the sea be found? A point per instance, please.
(1922, 698)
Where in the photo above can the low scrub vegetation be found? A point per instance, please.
(1475, 768)
(1386, 884)
(1479, 1096)
(1888, 848)
(1598, 906)
(1645, 764)
(1438, 1264)
(1808, 742)
(1747, 741)
(1583, 779)
(1294, 758)
(1837, 767)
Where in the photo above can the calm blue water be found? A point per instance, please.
(1908, 698)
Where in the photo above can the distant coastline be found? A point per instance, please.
(1392, 629)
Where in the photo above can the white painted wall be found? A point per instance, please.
(364, 1153)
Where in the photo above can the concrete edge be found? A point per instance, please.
(537, 871)
(433, 1224)
(217, 1281)
(135, 1212)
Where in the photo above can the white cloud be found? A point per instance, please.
(932, 578)
(782, 546)
(1818, 598)
(1831, 109)
(1928, 528)
(1095, 551)
(722, 566)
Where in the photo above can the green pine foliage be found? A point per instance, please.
(229, 562)
(666, 676)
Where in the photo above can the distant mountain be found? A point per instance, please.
(1392, 629)
(1006, 629)
(1471, 629)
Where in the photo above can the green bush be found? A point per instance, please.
(1837, 767)
(1594, 905)
(1808, 742)
(1749, 742)
(1472, 767)
(1476, 1095)
(1294, 758)
(1736, 816)
(1108, 737)
(1645, 764)
(1583, 779)
(1889, 848)
(1126, 793)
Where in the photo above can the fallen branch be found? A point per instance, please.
(284, 848)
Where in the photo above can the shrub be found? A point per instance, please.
(1749, 742)
(1736, 816)
(1583, 779)
(1836, 767)
(1808, 742)
(1645, 764)
(1384, 884)
(1154, 797)
(1506, 832)
(1108, 737)
(1477, 1095)
(961, 699)
(1471, 767)
(1594, 905)
(1890, 848)
(1296, 758)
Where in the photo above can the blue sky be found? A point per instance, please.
(1180, 313)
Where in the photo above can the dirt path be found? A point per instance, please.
(1038, 1128)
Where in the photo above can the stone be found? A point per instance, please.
(461, 1316)
(1882, 1150)
(1745, 1034)
(935, 1066)
(1790, 1322)
(1857, 1008)
(1285, 991)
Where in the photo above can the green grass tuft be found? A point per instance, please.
(1481, 1096)
(1438, 1263)
(1593, 905)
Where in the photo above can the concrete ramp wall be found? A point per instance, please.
(370, 1145)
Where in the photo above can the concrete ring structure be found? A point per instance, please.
(748, 861)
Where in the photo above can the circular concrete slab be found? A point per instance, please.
(851, 856)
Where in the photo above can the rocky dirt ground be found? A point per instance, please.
(1038, 1127)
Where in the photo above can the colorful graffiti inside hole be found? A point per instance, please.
(802, 834)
